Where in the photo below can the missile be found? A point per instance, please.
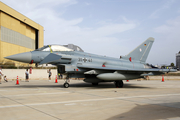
(117, 76)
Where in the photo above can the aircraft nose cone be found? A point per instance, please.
(22, 57)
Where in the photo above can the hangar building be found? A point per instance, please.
(17, 33)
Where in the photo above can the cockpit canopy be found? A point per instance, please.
(58, 48)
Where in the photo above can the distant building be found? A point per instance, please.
(178, 60)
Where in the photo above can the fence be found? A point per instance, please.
(37, 74)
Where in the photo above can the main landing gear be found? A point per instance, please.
(119, 84)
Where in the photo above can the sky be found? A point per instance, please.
(108, 27)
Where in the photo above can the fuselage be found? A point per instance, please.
(82, 58)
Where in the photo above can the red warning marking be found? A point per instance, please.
(31, 61)
(103, 65)
(76, 69)
(130, 59)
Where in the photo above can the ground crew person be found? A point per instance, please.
(50, 73)
(27, 75)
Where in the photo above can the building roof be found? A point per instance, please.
(10, 11)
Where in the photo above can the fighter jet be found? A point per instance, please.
(94, 68)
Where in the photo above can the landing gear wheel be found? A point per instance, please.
(119, 84)
(66, 85)
(95, 84)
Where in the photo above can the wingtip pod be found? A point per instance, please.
(168, 70)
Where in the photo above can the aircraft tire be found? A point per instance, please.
(119, 84)
(66, 85)
(116, 84)
(95, 84)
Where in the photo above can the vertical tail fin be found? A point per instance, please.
(142, 51)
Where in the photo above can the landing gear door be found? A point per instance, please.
(61, 69)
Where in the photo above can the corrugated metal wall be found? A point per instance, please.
(10, 36)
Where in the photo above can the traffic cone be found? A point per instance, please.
(127, 80)
(17, 81)
(162, 78)
(56, 79)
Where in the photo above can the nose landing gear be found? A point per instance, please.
(66, 85)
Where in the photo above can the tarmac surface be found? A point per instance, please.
(44, 100)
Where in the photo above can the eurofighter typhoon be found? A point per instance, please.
(94, 68)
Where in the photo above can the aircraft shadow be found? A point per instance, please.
(103, 85)
(150, 112)
(77, 85)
